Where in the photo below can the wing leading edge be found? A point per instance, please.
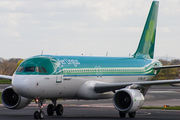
(7, 77)
(106, 87)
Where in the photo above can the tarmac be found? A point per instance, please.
(88, 113)
(104, 109)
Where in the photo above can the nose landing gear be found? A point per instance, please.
(39, 114)
(52, 107)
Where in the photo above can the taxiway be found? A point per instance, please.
(104, 109)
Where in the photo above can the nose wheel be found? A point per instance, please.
(52, 107)
(39, 114)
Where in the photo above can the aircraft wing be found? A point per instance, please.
(7, 77)
(165, 67)
(106, 87)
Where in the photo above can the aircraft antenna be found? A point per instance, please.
(107, 53)
(42, 53)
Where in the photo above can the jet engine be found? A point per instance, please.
(128, 100)
(12, 100)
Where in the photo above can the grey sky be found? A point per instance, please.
(89, 27)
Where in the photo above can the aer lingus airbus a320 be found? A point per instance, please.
(125, 79)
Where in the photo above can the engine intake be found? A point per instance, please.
(128, 100)
(12, 100)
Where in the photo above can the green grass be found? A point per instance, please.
(167, 108)
(2, 81)
(0, 98)
(165, 85)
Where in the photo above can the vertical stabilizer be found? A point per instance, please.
(147, 41)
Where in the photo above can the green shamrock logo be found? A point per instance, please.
(149, 32)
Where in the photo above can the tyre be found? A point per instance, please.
(50, 110)
(59, 110)
(41, 115)
(122, 114)
(132, 115)
(36, 115)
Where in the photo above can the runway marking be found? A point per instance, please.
(163, 92)
(145, 113)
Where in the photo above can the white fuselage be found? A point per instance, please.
(46, 86)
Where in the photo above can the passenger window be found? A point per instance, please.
(29, 69)
(44, 70)
(20, 69)
(38, 69)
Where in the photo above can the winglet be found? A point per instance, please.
(147, 41)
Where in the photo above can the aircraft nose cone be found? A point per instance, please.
(20, 84)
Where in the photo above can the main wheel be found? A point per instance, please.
(41, 115)
(122, 114)
(36, 115)
(50, 110)
(132, 115)
(59, 109)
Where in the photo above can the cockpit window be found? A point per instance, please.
(38, 69)
(29, 69)
(44, 70)
(20, 69)
(39, 65)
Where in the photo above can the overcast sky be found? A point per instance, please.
(88, 27)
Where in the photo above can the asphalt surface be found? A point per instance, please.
(3, 86)
(88, 113)
(104, 109)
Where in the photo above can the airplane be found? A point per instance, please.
(125, 79)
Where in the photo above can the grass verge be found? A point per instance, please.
(167, 108)
(0, 98)
(2, 81)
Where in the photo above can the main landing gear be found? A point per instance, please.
(52, 107)
(123, 115)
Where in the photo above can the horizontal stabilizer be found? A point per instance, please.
(166, 67)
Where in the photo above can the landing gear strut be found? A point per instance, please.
(39, 114)
(52, 107)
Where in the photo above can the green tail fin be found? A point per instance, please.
(147, 42)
